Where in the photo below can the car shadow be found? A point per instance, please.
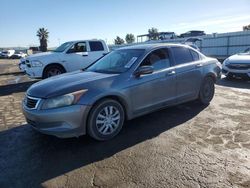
(12, 73)
(235, 83)
(29, 158)
(15, 88)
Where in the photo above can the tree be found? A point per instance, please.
(246, 28)
(153, 34)
(43, 35)
(130, 38)
(119, 41)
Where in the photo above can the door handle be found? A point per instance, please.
(170, 73)
(199, 65)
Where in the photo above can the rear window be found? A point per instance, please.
(182, 55)
(96, 46)
(195, 55)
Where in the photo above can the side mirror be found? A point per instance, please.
(144, 70)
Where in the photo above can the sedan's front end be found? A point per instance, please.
(237, 66)
(60, 116)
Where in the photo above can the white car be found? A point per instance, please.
(18, 55)
(68, 57)
(237, 66)
(7, 53)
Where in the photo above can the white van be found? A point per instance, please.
(7, 53)
(70, 56)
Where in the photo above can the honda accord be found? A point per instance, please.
(126, 83)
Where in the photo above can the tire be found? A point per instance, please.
(53, 70)
(104, 123)
(206, 93)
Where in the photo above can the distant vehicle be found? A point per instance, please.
(192, 42)
(125, 84)
(237, 66)
(7, 53)
(68, 57)
(192, 34)
(18, 55)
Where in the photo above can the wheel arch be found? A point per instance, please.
(53, 64)
(211, 75)
(117, 98)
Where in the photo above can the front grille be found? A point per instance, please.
(31, 102)
(239, 75)
(239, 66)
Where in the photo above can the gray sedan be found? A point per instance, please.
(127, 83)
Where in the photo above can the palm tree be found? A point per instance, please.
(130, 38)
(43, 35)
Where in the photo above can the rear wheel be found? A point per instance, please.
(207, 90)
(106, 120)
(53, 70)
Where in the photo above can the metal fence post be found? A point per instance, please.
(228, 42)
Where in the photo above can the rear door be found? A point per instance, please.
(188, 67)
(96, 50)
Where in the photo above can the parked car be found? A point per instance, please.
(7, 53)
(192, 34)
(68, 57)
(192, 42)
(237, 66)
(18, 55)
(126, 83)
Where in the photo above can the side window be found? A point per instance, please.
(182, 55)
(159, 59)
(196, 56)
(96, 46)
(78, 47)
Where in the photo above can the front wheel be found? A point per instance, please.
(106, 120)
(207, 91)
(53, 70)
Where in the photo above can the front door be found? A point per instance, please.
(77, 57)
(156, 90)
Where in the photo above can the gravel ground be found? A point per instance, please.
(184, 146)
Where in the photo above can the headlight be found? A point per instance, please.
(64, 100)
(36, 63)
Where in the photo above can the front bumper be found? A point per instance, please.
(62, 122)
(34, 72)
(235, 72)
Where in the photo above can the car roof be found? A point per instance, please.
(75, 41)
(149, 47)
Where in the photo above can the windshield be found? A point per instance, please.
(63, 47)
(117, 61)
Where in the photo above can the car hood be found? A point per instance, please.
(240, 58)
(69, 82)
(41, 56)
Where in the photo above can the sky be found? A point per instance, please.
(105, 19)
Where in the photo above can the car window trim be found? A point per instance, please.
(175, 64)
(145, 56)
(77, 43)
